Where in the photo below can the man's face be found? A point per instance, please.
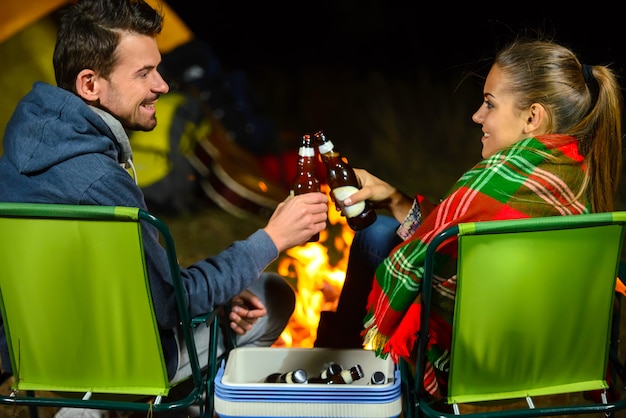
(133, 88)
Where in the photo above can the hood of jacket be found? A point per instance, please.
(51, 125)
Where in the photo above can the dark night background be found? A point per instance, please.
(389, 35)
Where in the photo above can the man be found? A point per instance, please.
(68, 145)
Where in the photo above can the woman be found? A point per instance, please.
(551, 143)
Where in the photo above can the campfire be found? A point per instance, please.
(318, 271)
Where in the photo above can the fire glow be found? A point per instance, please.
(318, 271)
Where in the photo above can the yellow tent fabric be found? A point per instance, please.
(16, 15)
(175, 32)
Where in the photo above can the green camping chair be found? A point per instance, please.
(532, 317)
(78, 313)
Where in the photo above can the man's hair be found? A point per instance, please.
(90, 31)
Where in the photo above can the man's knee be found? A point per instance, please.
(279, 294)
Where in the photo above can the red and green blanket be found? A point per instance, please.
(535, 177)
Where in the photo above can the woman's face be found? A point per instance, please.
(502, 123)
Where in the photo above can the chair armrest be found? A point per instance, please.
(208, 318)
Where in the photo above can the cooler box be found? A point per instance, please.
(240, 390)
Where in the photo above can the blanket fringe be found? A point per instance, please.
(375, 340)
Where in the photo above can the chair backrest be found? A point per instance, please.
(76, 302)
(533, 307)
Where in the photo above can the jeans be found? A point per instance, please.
(342, 328)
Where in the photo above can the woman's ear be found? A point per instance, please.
(536, 120)
(86, 85)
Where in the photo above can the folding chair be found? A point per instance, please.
(532, 317)
(78, 313)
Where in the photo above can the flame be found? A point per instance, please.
(318, 271)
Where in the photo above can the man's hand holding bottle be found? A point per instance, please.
(297, 218)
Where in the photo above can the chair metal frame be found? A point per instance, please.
(417, 402)
(202, 379)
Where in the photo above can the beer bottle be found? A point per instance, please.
(329, 370)
(343, 182)
(306, 180)
(346, 376)
(378, 378)
(293, 376)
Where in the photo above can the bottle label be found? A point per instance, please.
(347, 377)
(341, 194)
(306, 152)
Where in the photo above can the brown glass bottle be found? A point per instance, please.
(346, 376)
(329, 370)
(305, 180)
(293, 376)
(343, 182)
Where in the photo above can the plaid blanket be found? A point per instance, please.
(535, 177)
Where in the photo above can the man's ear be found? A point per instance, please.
(87, 86)
(536, 120)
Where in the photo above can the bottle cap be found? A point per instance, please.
(378, 378)
(359, 370)
(331, 370)
(297, 376)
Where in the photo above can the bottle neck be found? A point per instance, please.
(347, 376)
